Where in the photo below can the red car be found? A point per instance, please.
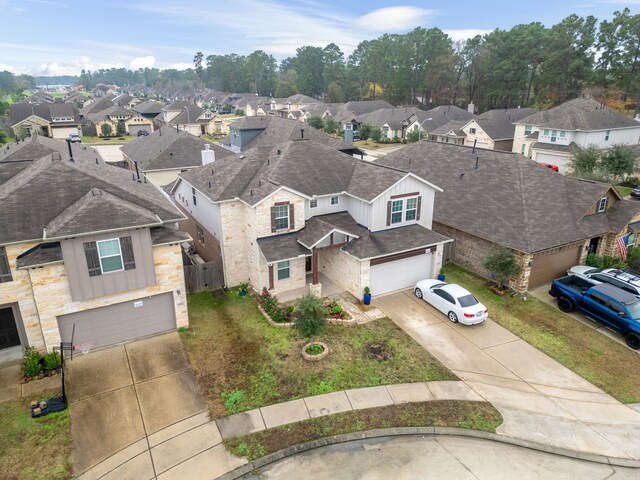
(550, 165)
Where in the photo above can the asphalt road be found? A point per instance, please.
(435, 458)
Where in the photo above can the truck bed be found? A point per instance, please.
(575, 283)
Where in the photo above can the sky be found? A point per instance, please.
(61, 37)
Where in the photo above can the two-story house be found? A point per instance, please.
(88, 254)
(492, 198)
(161, 156)
(286, 216)
(551, 136)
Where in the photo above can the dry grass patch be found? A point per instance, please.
(444, 413)
(595, 357)
(34, 448)
(241, 362)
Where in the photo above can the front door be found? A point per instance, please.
(8, 330)
(308, 264)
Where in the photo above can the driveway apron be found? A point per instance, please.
(540, 399)
(136, 412)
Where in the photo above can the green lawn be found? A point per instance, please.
(470, 415)
(597, 358)
(241, 362)
(95, 140)
(33, 448)
(623, 191)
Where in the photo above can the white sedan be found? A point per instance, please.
(455, 302)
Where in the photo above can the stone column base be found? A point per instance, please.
(315, 290)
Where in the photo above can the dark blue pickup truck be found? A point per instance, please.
(614, 308)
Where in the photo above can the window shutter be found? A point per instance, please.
(273, 219)
(292, 218)
(93, 259)
(5, 271)
(418, 208)
(388, 213)
(127, 253)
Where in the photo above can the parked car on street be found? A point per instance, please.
(454, 301)
(75, 138)
(614, 276)
(635, 193)
(616, 309)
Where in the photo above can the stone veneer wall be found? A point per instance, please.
(347, 271)
(50, 297)
(233, 218)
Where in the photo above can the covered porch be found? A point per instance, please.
(327, 288)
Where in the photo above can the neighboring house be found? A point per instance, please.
(251, 132)
(552, 135)
(492, 198)
(149, 109)
(55, 120)
(132, 121)
(103, 90)
(428, 121)
(393, 122)
(160, 157)
(87, 255)
(189, 117)
(347, 113)
(96, 105)
(293, 214)
(126, 100)
(492, 130)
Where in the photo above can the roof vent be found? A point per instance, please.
(171, 154)
(462, 175)
(56, 156)
(302, 133)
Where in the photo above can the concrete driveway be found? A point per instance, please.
(136, 412)
(110, 153)
(540, 399)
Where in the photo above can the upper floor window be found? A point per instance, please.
(193, 196)
(606, 135)
(527, 129)
(402, 210)
(554, 135)
(472, 131)
(281, 217)
(602, 204)
(546, 133)
(106, 256)
(335, 200)
(5, 271)
(562, 134)
(313, 203)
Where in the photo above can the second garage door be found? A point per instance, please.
(398, 274)
(120, 322)
(134, 129)
(549, 265)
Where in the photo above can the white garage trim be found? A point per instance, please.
(63, 132)
(120, 322)
(397, 272)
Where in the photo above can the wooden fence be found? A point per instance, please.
(203, 276)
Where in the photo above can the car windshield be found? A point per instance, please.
(634, 310)
(468, 301)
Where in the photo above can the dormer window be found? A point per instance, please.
(313, 203)
(335, 200)
(403, 209)
(606, 135)
(602, 204)
(472, 131)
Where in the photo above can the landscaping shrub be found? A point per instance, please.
(32, 366)
(595, 261)
(52, 361)
(502, 265)
(311, 316)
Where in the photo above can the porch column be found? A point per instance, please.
(315, 266)
(270, 277)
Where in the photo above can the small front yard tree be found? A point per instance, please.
(585, 160)
(365, 131)
(106, 130)
(330, 125)
(375, 134)
(413, 136)
(316, 122)
(311, 319)
(618, 161)
(501, 264)
(120, 128)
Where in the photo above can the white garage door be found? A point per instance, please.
(398, 274)
(120, 322)
(63, 132)
(134, 129)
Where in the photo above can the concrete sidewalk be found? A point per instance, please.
(12, 388)
(343, 401)
(541, 400)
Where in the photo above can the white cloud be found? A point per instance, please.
(72, 67)
(142, 62)
(393, 19)
(12, 69)
(463, 34)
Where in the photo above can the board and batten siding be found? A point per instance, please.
(84, 287)
(324, 206)
(360, 211)
(408, 185)
(204, 212)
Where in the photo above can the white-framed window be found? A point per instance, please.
(193, 196)
(554, 135)
(602, 204)
(284, 270)
(606, 135)
(396, 211)
(472, 131)
(313, 203)
(527, 129)
(282, 217)
(562, 134)
(335, 200)
(110, 255)
(546, 133)
(411, 209)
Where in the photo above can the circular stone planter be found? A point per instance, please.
(318, 357)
